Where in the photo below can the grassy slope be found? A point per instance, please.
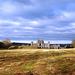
(37, 61)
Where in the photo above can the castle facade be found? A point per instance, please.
(41, 44)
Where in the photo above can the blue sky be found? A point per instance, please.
(51, 20)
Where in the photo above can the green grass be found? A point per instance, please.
(38, 62)
(23, 47)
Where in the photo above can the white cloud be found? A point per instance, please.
(65, 30)
(73, 24)
(34, 23)
(10, 8)
(60, 41)
(15, 23)
(47, 17)
(65, 16)
(7, 7)
(9, 22)
(28, 27)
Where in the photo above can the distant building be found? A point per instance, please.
(55, 46)
(41, 44)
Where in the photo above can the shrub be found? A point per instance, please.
(23, 47)
(1, 45)
(20, 47)
(13, 47)
(67, 46)
(27, 47)
(73, 43)
(30, 47)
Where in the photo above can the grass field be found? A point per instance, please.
(37, 62)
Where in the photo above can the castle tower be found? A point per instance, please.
(48, 44)
(42, 44)
(38, 43)
(31, 43)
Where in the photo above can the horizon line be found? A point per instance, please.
(46, 41)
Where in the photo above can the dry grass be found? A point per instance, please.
(37, 62)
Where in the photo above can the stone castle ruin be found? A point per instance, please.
(41, 44)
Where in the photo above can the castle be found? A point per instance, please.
(41, 44)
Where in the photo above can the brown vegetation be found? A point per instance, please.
(37, 62)
(73, 43)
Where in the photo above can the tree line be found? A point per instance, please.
(5, 44)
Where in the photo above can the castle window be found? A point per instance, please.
(40, 44)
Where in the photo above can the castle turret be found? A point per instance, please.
(48, 44)
(32, 43)
(42, 43)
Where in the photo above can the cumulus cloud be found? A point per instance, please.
(5, 22)
(33, 19)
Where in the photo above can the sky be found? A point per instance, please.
(27, 20)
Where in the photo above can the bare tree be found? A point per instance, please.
(7, 43)
(73, 43)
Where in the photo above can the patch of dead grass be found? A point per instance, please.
(37, 61)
